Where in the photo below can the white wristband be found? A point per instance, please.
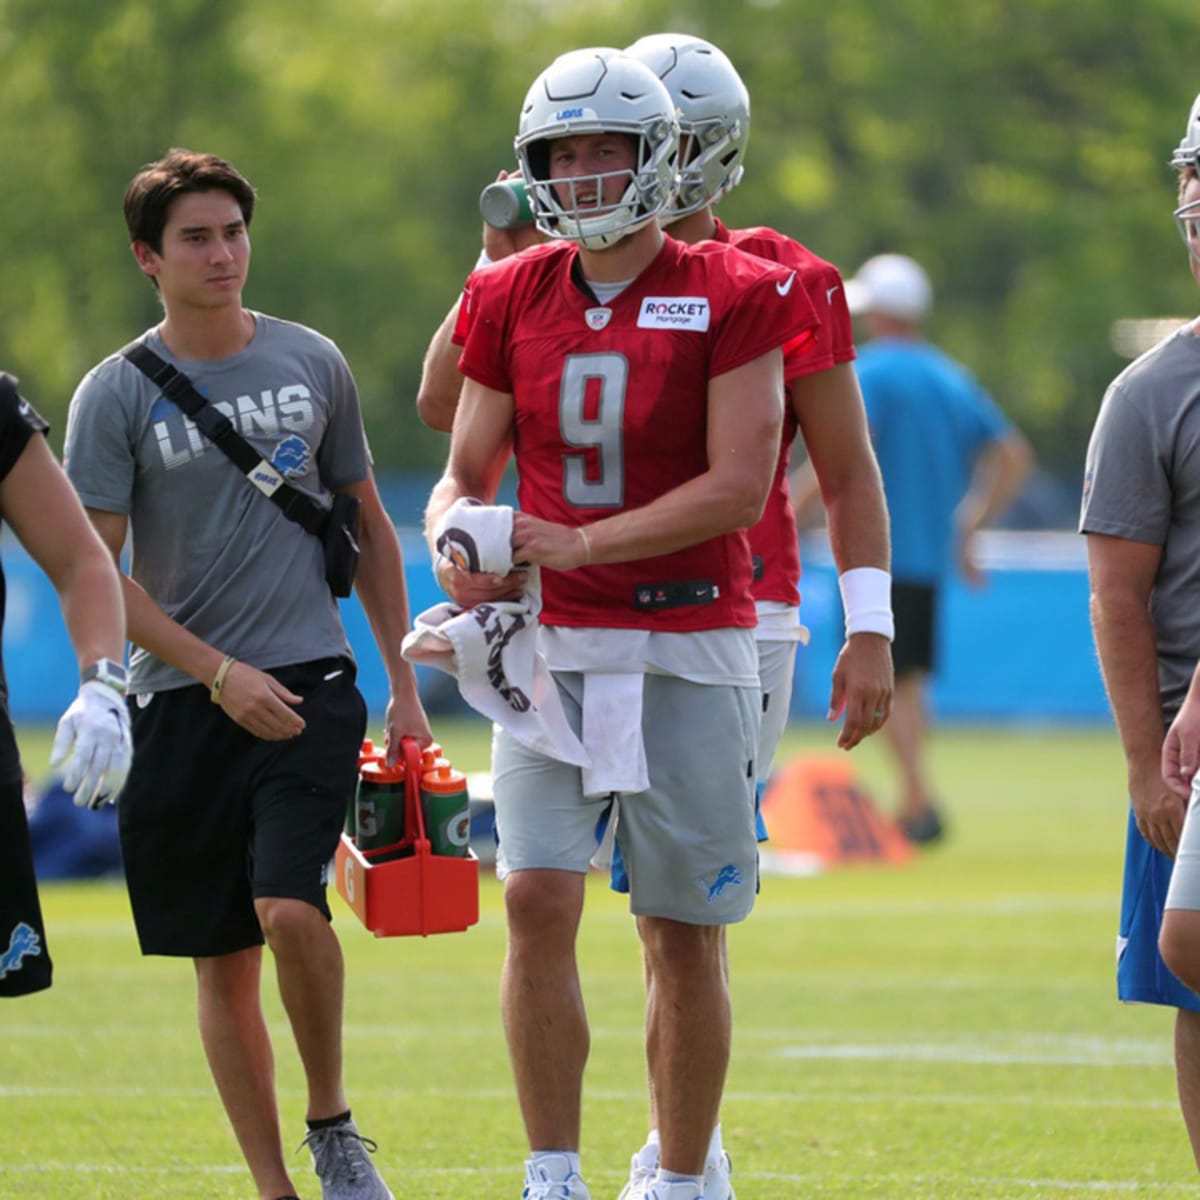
(867, 601)
(483, 260)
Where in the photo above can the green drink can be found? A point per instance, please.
(379, 806)
(367, 753)
(446, 808)
(505, 204)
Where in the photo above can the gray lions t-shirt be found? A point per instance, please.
(1142, 483)
(211, 550)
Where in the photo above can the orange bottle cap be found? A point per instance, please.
(444, 779)
(377, 771)
(430, 756)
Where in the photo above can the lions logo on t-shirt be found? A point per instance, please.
(291, 456)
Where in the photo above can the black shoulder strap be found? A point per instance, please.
(176, 386)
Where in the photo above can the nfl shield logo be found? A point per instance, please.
(597, 318)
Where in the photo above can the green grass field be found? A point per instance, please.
(946, 1029)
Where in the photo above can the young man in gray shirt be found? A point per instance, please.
(1141, 512)
(246, 719)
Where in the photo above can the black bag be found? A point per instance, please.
(339, 537)
(337, 529)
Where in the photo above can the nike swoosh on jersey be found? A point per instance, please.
(784, 288)
(837, 287)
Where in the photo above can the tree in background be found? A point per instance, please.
(1007, 144)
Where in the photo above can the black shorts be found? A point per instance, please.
(213, 818)
(914, 606)
(24, 960)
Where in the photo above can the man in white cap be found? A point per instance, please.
(951, 461)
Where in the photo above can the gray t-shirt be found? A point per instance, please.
(1142, 483)
(208, 547)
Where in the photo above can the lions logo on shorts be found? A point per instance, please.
(728, 876)
(22, 944)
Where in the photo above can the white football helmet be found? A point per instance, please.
(714, 115)
(1187, 154)
(599, 90)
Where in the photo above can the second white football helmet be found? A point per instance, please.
(714, 115)
(1187, 153)
(598, 90)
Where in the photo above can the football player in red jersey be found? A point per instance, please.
(639, 383)
(826, 407)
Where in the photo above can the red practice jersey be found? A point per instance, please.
(611, 409)
(773, 541)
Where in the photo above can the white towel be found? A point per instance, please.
(612, 733)
(491, 649)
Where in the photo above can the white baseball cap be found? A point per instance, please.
(891, 284)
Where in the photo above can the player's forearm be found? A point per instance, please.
(441, 384)
(383, 592)
(708, 506)
(857, 517)
(1002, 471)
(153, 630)
(1125, 644)
(93, 609)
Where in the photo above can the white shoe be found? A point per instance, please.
(673, 1191)
(716, 1179)
(550, 1178)
(643, 1167)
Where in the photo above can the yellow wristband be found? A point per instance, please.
(219, 678)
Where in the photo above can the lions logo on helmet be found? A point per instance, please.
(599, 90)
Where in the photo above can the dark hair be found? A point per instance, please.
(152, 190)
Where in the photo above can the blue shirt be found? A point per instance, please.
(929, 420)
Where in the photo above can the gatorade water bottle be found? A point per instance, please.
(447, 812)
(367, 753)
(379, 815)
(505, 204)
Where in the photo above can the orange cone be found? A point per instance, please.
(818, 817)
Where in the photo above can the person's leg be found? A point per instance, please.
(234, 1034)
(547, 833)
(688, 1031)
(1178, 944)
(690, 850)
(25, 965)
(300, 792)
(1187, 1074)
(905, 732)
(310, 973)
(542, 1004)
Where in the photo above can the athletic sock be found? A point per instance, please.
(715, 1149)
(697, 1181)
(328, 1122)
(572, 1157)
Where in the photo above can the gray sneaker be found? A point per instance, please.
(341, 1161)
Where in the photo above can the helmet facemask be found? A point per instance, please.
(571, 207)
(592, 92)
(1187, 221)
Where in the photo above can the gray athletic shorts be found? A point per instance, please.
(688, 843)
(776, 668)
(1184, 888)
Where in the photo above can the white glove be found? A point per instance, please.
(94, 743)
